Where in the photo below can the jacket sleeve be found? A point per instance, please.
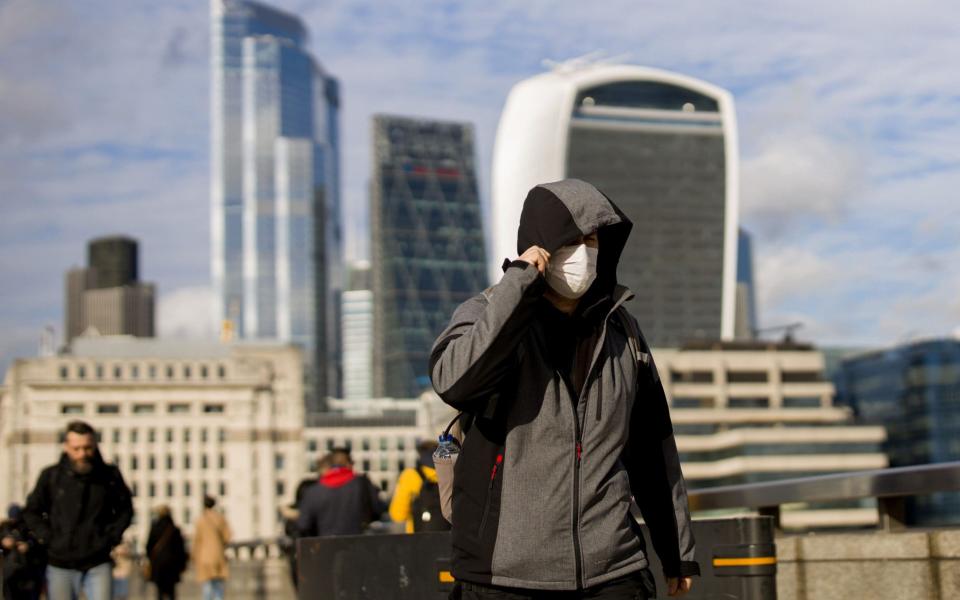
(476, 350)
(656, 481)
(122, 509)
(408, 486)
(36, 514)
(307, 519)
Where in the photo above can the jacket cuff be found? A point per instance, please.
(688, 568)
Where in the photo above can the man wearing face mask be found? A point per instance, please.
(567, 423)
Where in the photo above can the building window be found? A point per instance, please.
(221, 371)
(205, 487)
(383, 444)
(384, 465)
(71, 409)
(311, 445)
(169, 462)
(186, 515)
(135, 489)
(203, 435)
(278, 462)
(204, 372)
(169, 435)
(203, 462)
(383, 485)
(134, 463)
(365, 444)
(152, 371)
(746, 376)
(98, 369)
(801, 402)
(151, 490)
(143, 409)
(186, 435)
(329, 445)
(134, 371)
(186, 489)
(223, 489)
(169, 371)
(169, 490)
(691, 376)
(108, 409)
(748, 402)
(801, 377)
(186, 461)
(64, 372)
(186, 372)
(178, 408)
(401, 444)
(116, 436)
(117, 372)
(222, 461)
(366, 465)
(222, 435)
(401, 465)
(152, 463)
(151, 435)
(281, 488)
(134, 435)
(81, 372)
(212, 408)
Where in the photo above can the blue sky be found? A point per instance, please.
(848, 137)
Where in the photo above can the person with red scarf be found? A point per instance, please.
(342, 503)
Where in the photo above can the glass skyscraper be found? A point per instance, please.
(428, 243)
(275, 226)
(914, 391)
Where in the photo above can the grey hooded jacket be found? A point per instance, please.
(547, 476)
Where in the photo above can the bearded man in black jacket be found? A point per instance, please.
(78, 511)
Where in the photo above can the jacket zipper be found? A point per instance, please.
(486, 504)
(578, 449)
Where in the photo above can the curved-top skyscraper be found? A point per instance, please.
(663, 146)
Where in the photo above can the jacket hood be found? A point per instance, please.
(556, 214)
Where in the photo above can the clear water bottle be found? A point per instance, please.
(444, 461)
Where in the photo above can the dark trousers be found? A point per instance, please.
(636, 586)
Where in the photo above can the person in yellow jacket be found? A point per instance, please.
(416, 499)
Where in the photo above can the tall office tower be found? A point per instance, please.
(428, 243)
(663, 147)
(746, 312)
(358, 334)
(275, 226)
(107, 296)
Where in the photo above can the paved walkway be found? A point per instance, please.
(249, 580)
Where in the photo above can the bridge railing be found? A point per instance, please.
(891, 487)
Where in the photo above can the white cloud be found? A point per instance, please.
(186, 313)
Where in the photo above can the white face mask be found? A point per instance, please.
(572, 270)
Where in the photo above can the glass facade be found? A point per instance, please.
(658, 151)
(275, 226)
(428, 243)
(914, 391)
(745, 322)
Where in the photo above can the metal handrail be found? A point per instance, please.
(885, 484)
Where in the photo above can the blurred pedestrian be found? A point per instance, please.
(342, 503)
(211, 534)
(166, 553)
(416, 499)
(122, 557)
(23, 560)
(78, 511)
(290, 515)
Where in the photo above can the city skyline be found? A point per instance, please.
(846, 139)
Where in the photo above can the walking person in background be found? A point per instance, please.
(342, 503)
(122, 557)
(567, 420)
(416, 499)
(23, 560)
(78, 511)
(290, 514)
(166, 553)
(211, 534)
